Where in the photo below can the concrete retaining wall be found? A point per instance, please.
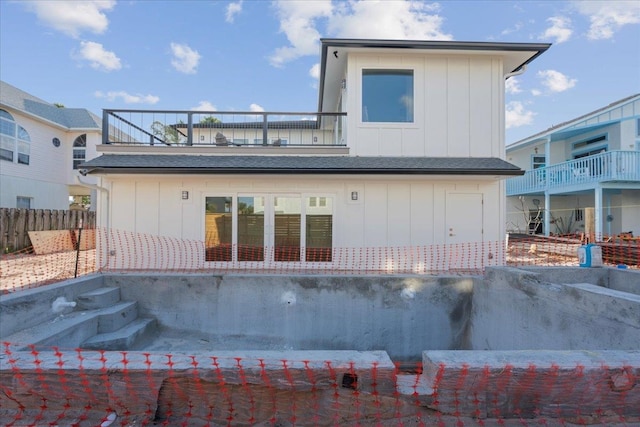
(518, 309)
(401, 315)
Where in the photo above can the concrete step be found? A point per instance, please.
(65, 331)
(124, 338)
(117, 316)
(98, 298)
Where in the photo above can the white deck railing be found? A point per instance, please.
(611, 166)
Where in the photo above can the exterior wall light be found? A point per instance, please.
(185, 195)
(354, 195)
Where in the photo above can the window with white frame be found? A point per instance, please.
(79, 150)
(538, 161)
(15, 142)
(387, 96)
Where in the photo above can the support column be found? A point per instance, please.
(547, 197)
(598, 212)
(547, 212)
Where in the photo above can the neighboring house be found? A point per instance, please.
(405, 155)
(41, 146)
(582, 175)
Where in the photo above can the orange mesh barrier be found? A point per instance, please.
(122, 251)
(55, 386)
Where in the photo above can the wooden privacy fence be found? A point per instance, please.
(16, 223)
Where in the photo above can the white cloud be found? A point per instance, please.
(297, 22)
(607, 17)
(256, 108)
(232, 10)
(315, 71)
(517, 27)
(73, 17)
(184, 59)
(409, 20)
(128, 98)
(205, 106)
(516, 115)
(555, 81)
(560, 29)
(536, 92)
(511, 86)
(98, 57)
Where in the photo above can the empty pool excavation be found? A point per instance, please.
(560, 343)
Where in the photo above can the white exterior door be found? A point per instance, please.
(464, 234)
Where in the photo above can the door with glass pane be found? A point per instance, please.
(269, 228)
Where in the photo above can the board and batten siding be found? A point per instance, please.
(394, 212)
(458, 107)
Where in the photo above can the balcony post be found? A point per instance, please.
(189, 128)
(264, 129)
(105, 126)
(547, 151)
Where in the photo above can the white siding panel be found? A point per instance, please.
(458, 107)
(123, 205)
(369, 142)
(170, 214)
(399, 214)
(147, 206)
(375, 215)
(43, 195)
(481, 108)
(421, 211)
(436, 107)
(390, 142)
(413, 143)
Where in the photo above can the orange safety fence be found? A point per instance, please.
(74, 387)
(123, 251)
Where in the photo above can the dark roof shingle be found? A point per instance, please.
(152, 163)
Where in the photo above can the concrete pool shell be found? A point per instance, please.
(508, 314)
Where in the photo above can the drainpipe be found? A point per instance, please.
(107, 222)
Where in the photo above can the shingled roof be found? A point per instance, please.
(71, 118)
(190, 164)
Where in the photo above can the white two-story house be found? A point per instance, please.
(401, 168)
(583, 176)
(41, 147)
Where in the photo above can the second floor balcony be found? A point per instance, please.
(583, 173)
(222, 129)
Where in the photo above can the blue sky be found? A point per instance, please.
(263, 55)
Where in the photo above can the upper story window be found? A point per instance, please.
(387, 96)
(15, 142)
(79, 150)
(538, 161)
(589, 147)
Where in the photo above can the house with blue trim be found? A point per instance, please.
(582, 176)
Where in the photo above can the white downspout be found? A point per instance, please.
(106, 211)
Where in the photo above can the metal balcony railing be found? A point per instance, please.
(611, 166)
(222, 128)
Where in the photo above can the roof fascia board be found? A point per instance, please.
(564, 126)
(538, 48)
